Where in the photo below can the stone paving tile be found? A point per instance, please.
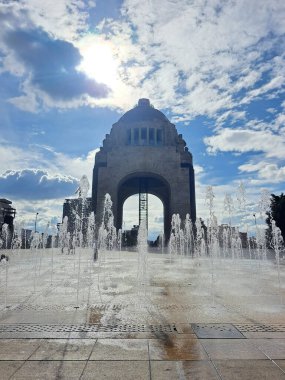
(273, 348)
(184, 328)
(185, 336)
(176, 349)
(7, 368)
(17, 349)
(120, 349)
(63, 349)
(232, 349)
(50, 370)
(281, 364)
(116, 370)
(44, 317)
(177, 370)
(248, 370)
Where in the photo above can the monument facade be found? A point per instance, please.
(144, 154)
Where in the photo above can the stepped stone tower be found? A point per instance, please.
(144, 154)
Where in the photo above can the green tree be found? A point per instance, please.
(277, 212)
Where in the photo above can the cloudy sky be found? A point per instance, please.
(69, 69)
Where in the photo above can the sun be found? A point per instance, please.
(99, 62)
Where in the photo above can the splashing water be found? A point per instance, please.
(229, 207)
(107, 231)
(142, 249)
(264, 202)
(241, 196)
(278, 245)
(83, 187)
(189, 236)
(200, 246)
(213, 247)
(175, 238)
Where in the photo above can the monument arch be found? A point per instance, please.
(145, 183)
(144, 154)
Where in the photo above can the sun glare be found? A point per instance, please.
(99, 63)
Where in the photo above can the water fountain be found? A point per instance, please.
(142, 255)
(204, 274)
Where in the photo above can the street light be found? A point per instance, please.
(254, 219)
(36, 221)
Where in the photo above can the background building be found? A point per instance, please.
(7, 215)
(78, 211)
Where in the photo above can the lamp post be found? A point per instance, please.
(36, 221)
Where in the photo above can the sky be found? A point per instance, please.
(69, 69)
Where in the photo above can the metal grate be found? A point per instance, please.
(216, 331)
(39, 307)
(26, 328)
(36, 307)
(102, 307)
(172, 284)
(260, 327)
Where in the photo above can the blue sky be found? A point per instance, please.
(69, 70)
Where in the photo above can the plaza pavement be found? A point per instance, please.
(65, 317)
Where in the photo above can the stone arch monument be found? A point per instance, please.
(143, 154)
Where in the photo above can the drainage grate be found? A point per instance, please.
(102, 307)
(216, 331)
(34, 328)
(260, 328)
(41, 307)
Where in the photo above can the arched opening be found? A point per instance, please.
(151, 184)
(155, 217)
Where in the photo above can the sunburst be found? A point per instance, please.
(99, 62)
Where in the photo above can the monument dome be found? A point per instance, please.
(144, 111)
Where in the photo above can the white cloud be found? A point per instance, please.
(251, 166)
(55, 80)
(243, 140)
(280, 121)
(57, 162)
(55, 177)
(63, 19)
(267, 172)
(247, 79)
(17, 158)
(76, 166)
(49, 210)
(214, 46)
(198, 169)
(272, 173)
(193, 58)
(274, 84)
(36, 184)
(27, 102)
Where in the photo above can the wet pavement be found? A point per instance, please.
(189, 319)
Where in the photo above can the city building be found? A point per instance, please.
(77, 210)
(7, 215)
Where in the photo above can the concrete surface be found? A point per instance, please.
(66, 317)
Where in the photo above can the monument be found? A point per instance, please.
(144, 154)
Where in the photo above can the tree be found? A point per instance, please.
(277, 212)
